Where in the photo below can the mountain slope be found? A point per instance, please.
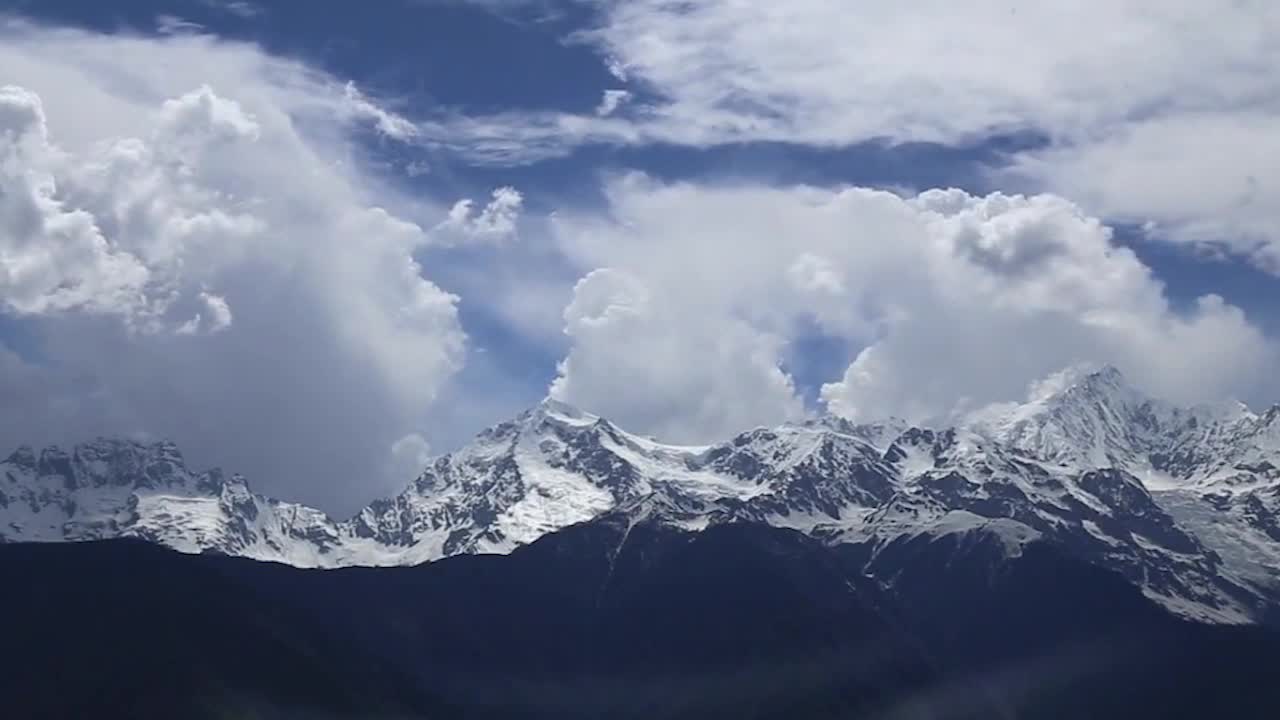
(610, 619)
(127, 629)
(627, 616)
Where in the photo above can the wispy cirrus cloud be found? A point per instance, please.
(240, 8)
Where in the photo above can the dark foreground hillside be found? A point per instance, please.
(606, 620)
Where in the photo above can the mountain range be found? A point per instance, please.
(1182, 502)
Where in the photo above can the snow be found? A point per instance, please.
(555, 499)
(916, 460)
(1154, 480)
(1092, 528)
(1013, 535)
(1232, 614)
(188, 524)
(671, 466)
(1246, 551)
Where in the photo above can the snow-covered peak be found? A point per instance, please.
(1093, 419)
(878, 434)
(1074, 389)
(113, 487)
(558, 410)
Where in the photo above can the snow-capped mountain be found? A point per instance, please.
(122, 488)
(1184, 502)
(1098, 420)
(1215, 468)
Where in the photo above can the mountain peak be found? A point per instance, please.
(877, 434)
(23, 456)
(1108, 380)
(556, 409)
(1079, 380)
(1107, 373)
(1079, 414)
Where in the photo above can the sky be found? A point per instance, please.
(319, 243)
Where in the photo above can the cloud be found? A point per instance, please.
(173, 25)
(390, 124)
(949, 301)
(217, 320)
(417, 168)
(55, 258)
(240, 8)
(495, 222)
(819, 72)
(190, 248)
(814, 274)
(636, 360)
(1153, 118)
(611, 100)
(1197, 177)
(410, 454)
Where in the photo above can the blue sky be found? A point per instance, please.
(624, 240)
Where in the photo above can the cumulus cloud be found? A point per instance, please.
(494, 222)
(814, 274)
(950, 301)
(636, 359)
(191, 252)
(55, 258)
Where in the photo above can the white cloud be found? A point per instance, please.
(1152, 114)
(53, 258)
(825, 72)
(410, 455)
(158, 188)
(240, 8)
(417, 168)
(390, 124)
(217, 319)
(611, 100)
(173, 25)
(955, 301)
(1197, 177)
(495, 222)
(656, 366)
(616, 69)
(814, 274)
